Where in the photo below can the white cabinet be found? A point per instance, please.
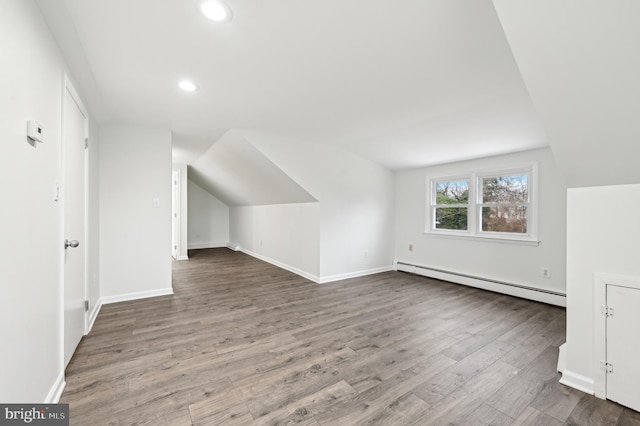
(617, 340)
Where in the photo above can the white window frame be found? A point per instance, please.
(474, 218)
(431, 205)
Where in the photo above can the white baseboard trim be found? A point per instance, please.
(195, 246)
(311, 277)
(279, 264)
(562, 357)
(233, 247)
(135, 296)
(183, 258)
(346, 276)
(525, 292)
(577, 381)
(53, 397)
(94, 314)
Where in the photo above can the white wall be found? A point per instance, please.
(356, 218)
(509, 262)
(30, 220)
(575, 59)
(284, 234)
(135, 243)
(208, 219)
(603, 235)
(238, 174)
(356, 203)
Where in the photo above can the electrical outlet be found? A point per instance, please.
(545, 271)
(366, 254)
(260, 243)
(410, 247)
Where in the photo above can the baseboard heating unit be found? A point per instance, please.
(526, 292)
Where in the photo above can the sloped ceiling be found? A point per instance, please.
(403, 84)
(580, 61)
(238, 174)
(61, 24)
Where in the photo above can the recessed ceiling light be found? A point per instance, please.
(187, 86)
(216, 10)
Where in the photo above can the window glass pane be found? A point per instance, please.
(451, 218)
(505, 219)
(452, 192)
(505, 189)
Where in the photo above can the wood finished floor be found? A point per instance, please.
(243, 342)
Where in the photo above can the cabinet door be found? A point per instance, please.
(623, 346)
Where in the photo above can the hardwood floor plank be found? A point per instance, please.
(470, 342)
(513, 398)
(369, 403)
(459, 405)
(220, 408)
(532, 417)
(266, 395)
(115, 372)
(156, 414)
(486, 415)
(556, 400)
(244, 342)
(532, 347)
(628, 417)
(461, 372)
(530, 326)
(303, 410)
(592, 411)
(407, 407)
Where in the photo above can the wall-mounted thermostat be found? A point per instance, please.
(34, 131)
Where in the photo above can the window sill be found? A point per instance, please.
(484, 238)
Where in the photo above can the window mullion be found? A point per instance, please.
(473, 202)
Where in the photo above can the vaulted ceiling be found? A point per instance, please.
(580, 61)
(403, 84)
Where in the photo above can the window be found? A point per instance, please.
(451, 205)
(503, 203)
(495, 204)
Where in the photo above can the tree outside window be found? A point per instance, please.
(504, 203)
(497, 204)
(452, 205)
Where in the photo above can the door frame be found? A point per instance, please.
(69, 90)
(600, 283)
(175, 214)
(180, 170)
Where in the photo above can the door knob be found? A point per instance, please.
(72, 244)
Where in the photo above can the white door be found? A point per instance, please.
(174, 215)
(73, 146)
(623, 346)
